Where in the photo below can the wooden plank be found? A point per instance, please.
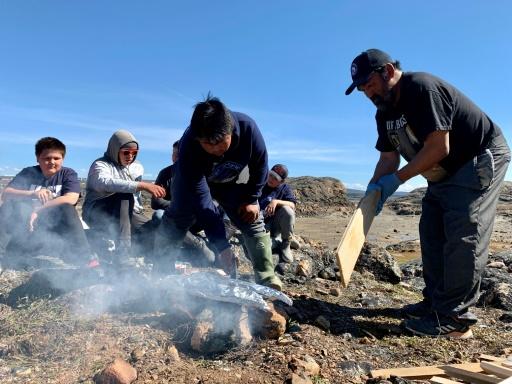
(423, 372)
(354, 235)
(485, 357)
(471, 377)
(442, 380)
(496, 369)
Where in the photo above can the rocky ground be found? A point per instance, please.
(329, 335)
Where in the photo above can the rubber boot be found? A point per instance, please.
(286, 252)
(199, 245)
(259, 248)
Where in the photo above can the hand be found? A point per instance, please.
(389, 184)
(227, 261)
(249, 212)
(156, 190)
(43, 195)
(271, 208)
(33, 218)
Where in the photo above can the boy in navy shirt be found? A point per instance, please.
(38, 213)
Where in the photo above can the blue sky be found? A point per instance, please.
(79, 70)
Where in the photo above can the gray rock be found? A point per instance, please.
(506, 317)
(498, 295)
(356, 367)
(380, 263)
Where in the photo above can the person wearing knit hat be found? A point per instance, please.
(277, 202)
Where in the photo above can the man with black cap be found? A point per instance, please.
(277, 202)
(463, 155)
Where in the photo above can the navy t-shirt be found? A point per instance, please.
(281, 192)
(429, 104)
(32, 179)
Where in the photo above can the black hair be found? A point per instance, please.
(176, 144)
(395, 64)
(211, 120)
(50, 143)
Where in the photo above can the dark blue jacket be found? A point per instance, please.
(201, 176)
(281, 192)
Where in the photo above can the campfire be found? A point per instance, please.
(210, 312)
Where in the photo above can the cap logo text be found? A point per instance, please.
(353, 69)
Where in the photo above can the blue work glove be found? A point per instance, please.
(372, 187)
(375, 187)
(389, 184)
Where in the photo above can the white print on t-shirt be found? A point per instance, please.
(393, 125)
(56, 190)
(404, 140)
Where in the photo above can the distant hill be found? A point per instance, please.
(319, 195)
(357, 194)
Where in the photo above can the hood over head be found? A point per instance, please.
(118, 139)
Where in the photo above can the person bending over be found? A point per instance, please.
(222, 157)
(463, 155)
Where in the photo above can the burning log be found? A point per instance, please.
(268, 324)
(220, 328)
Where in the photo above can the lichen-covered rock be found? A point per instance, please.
(380, 263)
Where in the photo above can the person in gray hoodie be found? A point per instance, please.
(110, 188)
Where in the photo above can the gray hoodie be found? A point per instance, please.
(107, 176)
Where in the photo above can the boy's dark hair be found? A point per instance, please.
(211, 120)
(176, 144)
(50, 143)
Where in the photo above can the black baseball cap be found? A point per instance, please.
(364, 64)
(279, 171)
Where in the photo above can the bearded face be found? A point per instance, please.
(384, 98)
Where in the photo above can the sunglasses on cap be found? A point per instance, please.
(361, 86)
(126, 152)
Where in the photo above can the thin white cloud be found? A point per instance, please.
(357, 186)
(276, 119)
(151, 137)
(314, 151)
(408, 187)
(9, 171)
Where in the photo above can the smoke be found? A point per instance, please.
(60, 274)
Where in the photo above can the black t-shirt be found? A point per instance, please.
(429, 104)
(164, 179)
(32, 179)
